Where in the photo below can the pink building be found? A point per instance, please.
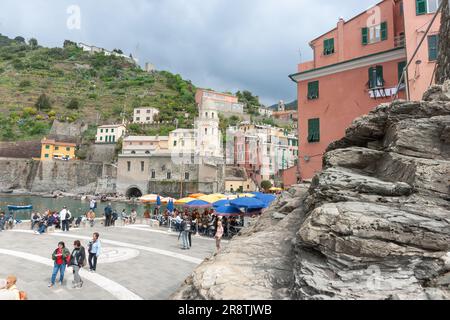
(357, 66)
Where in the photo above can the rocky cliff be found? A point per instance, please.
(375, 224)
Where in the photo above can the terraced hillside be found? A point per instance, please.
(39, 85)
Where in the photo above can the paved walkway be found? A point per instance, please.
(138, 262)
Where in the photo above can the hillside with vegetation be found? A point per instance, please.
(39, 85)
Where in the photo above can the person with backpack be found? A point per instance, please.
(94, 250)
(77, 261)
(115, 216)
(61, 258)
(65, 216)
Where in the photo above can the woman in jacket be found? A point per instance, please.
(61, 257)
(77, 261)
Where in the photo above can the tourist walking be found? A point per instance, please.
(108, 215)
(65, 216)
(94, 252)
(61, 257)
(219, 233)
(77, 261)
(185, 229)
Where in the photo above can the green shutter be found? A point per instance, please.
(433, 45)
(365, 36)
(313, 130)
(421, 7)
(372, 82)
(328, 46)
(380, 79)
(313, 90)
(401, 68)
(384, 31)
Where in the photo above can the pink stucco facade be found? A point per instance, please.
(421, 70)
(346, 89)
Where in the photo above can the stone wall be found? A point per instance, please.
(75, 177)
(101, 153)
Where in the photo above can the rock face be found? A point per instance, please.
(375, 224)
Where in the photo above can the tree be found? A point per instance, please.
(33, 43)
(68, 43)
(19, 39)
(43, 103)
(118, 51)
(73, 104)
(443, 63)
(266, 185)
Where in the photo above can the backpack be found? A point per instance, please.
(187, 226)
(68, 215)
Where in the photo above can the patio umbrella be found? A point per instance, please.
(158, 201)
(184, 201)
(197, 195)
(198, 204)
(246, 195)
(149, 198)
(221, 203)
(228, 211)
(219, 195)
(248, 203)
(275, 189)
(210, 199)
(266, 198)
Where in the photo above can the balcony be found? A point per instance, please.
(399, 41)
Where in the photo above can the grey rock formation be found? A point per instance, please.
(375, 224)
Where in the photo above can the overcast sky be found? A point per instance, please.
(226, 45)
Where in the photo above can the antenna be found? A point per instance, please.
(300, 55)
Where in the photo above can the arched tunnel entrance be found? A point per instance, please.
(134, 192)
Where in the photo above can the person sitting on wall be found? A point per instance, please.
(2, 221)
(35, 219)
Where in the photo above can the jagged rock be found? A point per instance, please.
(375, 224)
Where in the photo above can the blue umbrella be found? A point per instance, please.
(221, 203)
(228, 211)
(266, 198)
(248, 203)
(170, 206)
(198, 204)
(158, 201)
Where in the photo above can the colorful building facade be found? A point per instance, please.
(110, 134)
(356, 66)
(52, 149)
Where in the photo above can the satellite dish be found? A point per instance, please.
(419, 62)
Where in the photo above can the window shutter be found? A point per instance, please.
(433, 43)
(331, 45)
(325, 47)
(401, 67)
(365, 36)
(384, 31)
(372, 82)
(380, 79)
(421, 7)
(313, 130)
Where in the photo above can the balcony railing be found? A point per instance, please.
(399, 41)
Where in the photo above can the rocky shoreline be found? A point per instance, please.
(375, 224)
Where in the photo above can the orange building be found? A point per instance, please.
(52, 149)
(357, 66)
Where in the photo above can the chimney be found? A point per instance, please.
(340, 47)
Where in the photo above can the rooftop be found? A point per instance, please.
(145, 138)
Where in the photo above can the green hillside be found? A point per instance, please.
(39, 85)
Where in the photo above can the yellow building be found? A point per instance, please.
(52, 149)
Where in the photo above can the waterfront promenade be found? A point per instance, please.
(138, 262)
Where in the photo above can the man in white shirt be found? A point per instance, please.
(65, 216)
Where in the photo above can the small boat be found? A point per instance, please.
(18, 208)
